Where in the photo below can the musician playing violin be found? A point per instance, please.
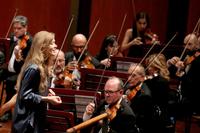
(78, 43)
(156, 66)
(139, 96)
(190, 74)
(109, 47)
(124, 121)
(20, 43)
(59, 77)
(139, 34)
(73, 60)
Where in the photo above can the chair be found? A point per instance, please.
(74, 101)
(58, 121)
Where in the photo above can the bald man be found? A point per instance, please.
(78, 43)
(190, 74)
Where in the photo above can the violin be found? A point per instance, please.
(87, 63)
(110, 113)
(64, 79)
(190, 59)
(150, 38)
(22, 44)
(133, 92)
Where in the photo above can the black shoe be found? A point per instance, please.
(5, 117)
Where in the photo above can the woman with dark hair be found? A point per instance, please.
(139, 34)
(109, 47)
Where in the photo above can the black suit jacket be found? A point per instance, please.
(190, 85)
(124, 122)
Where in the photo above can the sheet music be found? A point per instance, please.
(123, 66)
(81, 103)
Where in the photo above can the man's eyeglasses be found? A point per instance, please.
(110, 92)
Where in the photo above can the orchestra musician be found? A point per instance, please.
(156, 66)
(60, 78)
(109, 48)
(124, 120)
(139, 34)
(189, 74)
(73, 60)
(20, 43)
(78, 43)
(139, 96)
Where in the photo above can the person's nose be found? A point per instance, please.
(143, 26)
(79, 50)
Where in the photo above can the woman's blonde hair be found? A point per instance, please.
(159, 62)
(38, 55)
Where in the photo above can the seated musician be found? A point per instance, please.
(109, 48)
(188, 71)
(158, 83)
(139, 34)
(79, 57)
(60, 78)
(124, 119)
(139, 96)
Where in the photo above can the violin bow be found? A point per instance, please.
(85, 47)
(147, 55)
(133, 8)
(66, 34)
(134, 14)
(101, 78)
(162, 50)
(120, 31)
(15, 14)
(112, 51)
(140, 62)
(196, 26)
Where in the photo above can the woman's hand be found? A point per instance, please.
(136, 41)
(52, 99)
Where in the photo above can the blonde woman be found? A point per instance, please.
(30, 108)
(158, 83)
(157, 64)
